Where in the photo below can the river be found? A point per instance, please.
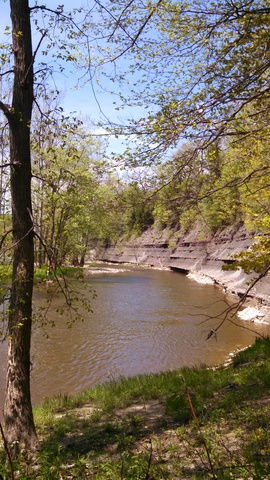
(143, 321)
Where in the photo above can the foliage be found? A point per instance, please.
(138, 209)
(249, 175)
(179, 184)
(67, 172)
(191, 69)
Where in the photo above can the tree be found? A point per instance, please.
(19, 424)
(18, 414)
(179, 184)
(137, 208)
(248, 165)
(66, 176)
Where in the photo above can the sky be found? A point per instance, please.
(83, 101)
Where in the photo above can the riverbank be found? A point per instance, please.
(189, 423)
(253, 309)
(199, 254)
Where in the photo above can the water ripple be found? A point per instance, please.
(143, 321)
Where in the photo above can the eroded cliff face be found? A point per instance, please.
(197, 251)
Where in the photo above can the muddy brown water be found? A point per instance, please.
(143, 321)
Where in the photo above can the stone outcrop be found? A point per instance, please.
(198, 251)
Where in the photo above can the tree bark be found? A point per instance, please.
(18, 415)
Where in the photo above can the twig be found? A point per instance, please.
(7, 452)
(200, 431)
(147, 475)
(4, 237)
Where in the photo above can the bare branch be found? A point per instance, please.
(6, 110)
(119, 24)
(6, 73)
(5, 165)
(233, 309)
(4, 237)
(35, 53)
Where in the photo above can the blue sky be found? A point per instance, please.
(81, 100)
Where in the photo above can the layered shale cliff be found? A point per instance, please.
(198, 252)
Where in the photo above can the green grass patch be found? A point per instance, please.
(259, 351)
(41, 273)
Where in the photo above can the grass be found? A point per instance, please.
(40, 273)
(191, 423)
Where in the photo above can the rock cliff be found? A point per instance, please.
(198, 252)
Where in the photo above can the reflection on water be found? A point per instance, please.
(143, 321)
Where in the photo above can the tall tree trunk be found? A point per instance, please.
(18, 416)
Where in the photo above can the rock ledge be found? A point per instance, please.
(197, 252)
